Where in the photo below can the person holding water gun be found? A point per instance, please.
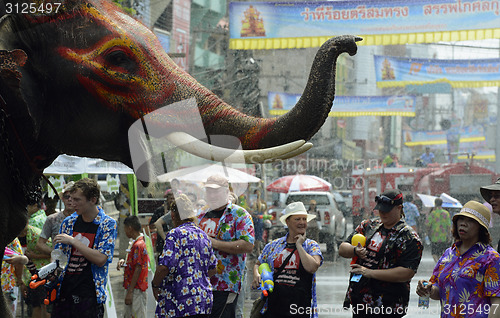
(381, 274)
(12, 271)
(292, 262)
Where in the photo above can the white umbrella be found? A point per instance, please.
(427, 200)
(448, 201)
(201, 173)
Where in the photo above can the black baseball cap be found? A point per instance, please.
(388, 200)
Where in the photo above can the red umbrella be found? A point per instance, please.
(299, 182)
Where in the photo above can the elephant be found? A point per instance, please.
(75, 78)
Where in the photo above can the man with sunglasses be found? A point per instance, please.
(53, 222)
(380, 278)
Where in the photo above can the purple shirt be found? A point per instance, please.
(186, 290)
(466, 282)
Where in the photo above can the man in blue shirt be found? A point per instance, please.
(427, 157)
(411, 212)
(87, 238)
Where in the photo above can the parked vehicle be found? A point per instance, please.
(341, 203)
(332, 225)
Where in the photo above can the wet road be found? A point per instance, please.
(332, 281)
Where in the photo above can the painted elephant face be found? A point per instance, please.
(90, 61)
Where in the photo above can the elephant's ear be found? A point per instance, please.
(14, 78)
(12, 101)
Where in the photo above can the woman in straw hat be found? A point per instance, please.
(181, 283)
(466, 277)
(294, 293)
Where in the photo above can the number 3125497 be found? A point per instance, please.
(33, 8)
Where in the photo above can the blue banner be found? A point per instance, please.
(350, 106)
(396, 71)
(439, 139)
(416, 21)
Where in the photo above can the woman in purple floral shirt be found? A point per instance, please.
(466, 277)
(181, 284)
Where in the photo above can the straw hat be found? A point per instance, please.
(296, 208)
(476, 211)
(486, 190)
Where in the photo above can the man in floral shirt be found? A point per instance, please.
(87, 238)
(37, 216)
(380, 279)
(439, 224)
(231, 231)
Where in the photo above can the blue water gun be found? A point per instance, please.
(266, 279)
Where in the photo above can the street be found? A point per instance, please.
(332, 281)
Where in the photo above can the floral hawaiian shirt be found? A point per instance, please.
(387, 248)
(466, 282)
(235, 224)
(38, 219)
(273, 249)
(8, 273)
(104, 242)
(186, 290)
(411, 213)
(32, 235)
(439, 223)
(138, 255)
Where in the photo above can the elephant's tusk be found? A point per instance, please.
(204, 150)
(305, 147)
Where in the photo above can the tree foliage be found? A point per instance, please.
(126, 6)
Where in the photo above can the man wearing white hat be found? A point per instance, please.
(295, 260)
(231, 231)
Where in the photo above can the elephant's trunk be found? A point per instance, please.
(302, 122)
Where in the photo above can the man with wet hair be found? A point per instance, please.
(87, 238)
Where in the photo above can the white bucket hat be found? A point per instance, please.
(296, 208)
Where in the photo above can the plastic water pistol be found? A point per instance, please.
(266, 279)
(48, 277)
(357, 238)
(266, 216)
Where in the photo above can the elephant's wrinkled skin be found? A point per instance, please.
(74, 82)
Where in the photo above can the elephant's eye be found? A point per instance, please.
(118, 58)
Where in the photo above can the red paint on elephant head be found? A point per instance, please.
(126, 70)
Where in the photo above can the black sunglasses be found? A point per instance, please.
(386, 200)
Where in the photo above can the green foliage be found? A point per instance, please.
(125, 5)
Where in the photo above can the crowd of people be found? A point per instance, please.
(204, 247)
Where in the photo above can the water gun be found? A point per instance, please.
(357, 238)
(266, 279)
(47, 276)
